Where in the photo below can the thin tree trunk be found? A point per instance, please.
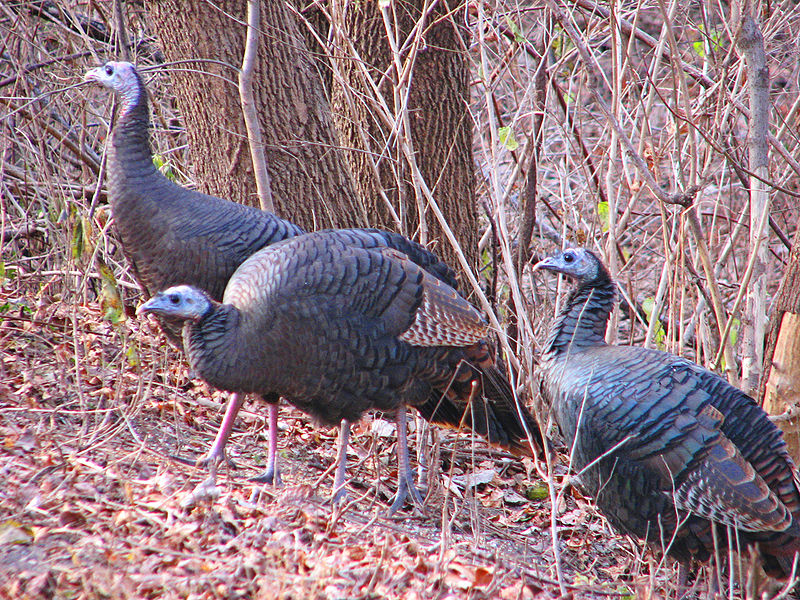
(373, 101)
(751, 44)
(310, 181)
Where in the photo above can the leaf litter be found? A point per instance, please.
(92, 505)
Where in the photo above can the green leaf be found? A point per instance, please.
(537, 492)
(16, 306)
(132, 356)
(561, 44)
(659, 335)
(603, 214)
(78, 244)
(164, 167)
(624, 592)
(486, 259)
(113, 315)
(733, 334)
(507, 138)
(110, 298)
(518, 37)
(713, 39)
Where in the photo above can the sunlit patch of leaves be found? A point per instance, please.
(164, 167)
(506, 135)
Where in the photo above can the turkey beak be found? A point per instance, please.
(91, 75)
(147, 307)
(544, 264)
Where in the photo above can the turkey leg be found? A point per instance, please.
(217, 452)
(405, 477)
(271, 474)
(339, 491)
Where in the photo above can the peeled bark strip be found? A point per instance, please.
(780, 382)
(782, 395)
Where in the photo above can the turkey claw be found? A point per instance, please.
(406, 491)
(270, 477)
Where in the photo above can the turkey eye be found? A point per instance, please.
(109, 70)
(174, 299)
(569, 257)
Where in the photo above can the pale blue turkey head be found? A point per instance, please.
(578, 263)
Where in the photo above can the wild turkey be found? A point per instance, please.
(658, 440)
(338, 323)
(172, 235)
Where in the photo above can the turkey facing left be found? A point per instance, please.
(672, 453)
(337, 323)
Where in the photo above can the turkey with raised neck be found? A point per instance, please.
(172, 235)
(672, 453)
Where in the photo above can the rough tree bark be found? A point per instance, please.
(310, 179)
(437, 105)
(780, 383)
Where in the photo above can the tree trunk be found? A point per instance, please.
(781, 379)
(439, 122)
(310, 180)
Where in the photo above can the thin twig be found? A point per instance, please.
(254, 137)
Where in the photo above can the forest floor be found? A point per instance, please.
(92, 506)
(93, 403)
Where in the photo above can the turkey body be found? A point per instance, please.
(667, 449)
(332, 308)
(339, 323)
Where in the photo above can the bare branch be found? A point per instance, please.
(254, 137)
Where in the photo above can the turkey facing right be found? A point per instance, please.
(672, 453)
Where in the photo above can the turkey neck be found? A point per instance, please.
(130, 156)
(212, 337)
(583, 320)
(217, 349)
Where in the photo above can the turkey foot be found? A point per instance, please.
(404, 491)
(217, 453)
(209, 462)
(270, 476)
